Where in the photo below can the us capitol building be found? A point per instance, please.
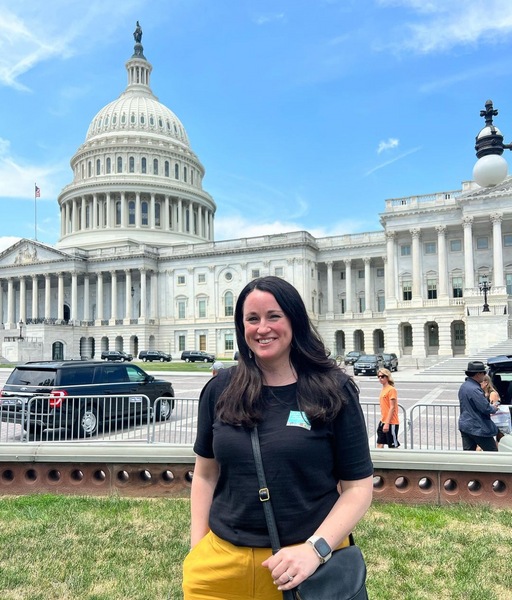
(137, 266)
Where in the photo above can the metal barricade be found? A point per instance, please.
(435, 427)
(371, 412)
(180, 426)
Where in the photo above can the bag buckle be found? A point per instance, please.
(264, 494)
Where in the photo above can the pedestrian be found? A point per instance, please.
(216, 367)
(475, 424)
(387, 431)
(312, 436)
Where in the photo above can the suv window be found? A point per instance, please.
(79, 376)
(135, 374)
(32, 377)
(113, 374)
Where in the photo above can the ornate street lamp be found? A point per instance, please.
(21, 330)
(490, 168)
(485, 287)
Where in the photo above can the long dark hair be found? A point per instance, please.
(318, 376)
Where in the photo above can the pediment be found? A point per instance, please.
(28, 252)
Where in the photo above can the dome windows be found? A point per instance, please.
(166, 171)
(123, 119)
(119, 164)
(100, 122)
(106, 121)
(143, 165)
(155, 166)
(157, 214)
(98, 167)
(145, 213)
(152, 120)
(142, 119)
(160, 123)
(175, 130)
(114, 120)
(89, 169)
(131, 213)
(132, 165)
(176, 171)
(185, 174)
(109, 166)
(168, 126)
(132, 119)
(118, 213)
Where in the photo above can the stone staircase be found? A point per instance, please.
(455, 367)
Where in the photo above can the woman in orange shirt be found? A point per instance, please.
(387, 432)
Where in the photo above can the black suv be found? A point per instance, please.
(151, 355)
(390, 361)
(58, 400)
(500, 371)
(197, 355)
(351, 357)
(368, 364)
(116, 355)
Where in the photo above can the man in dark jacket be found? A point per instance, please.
(475, 424)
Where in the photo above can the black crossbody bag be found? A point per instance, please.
(342, 577)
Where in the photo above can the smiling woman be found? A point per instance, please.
(312, 436)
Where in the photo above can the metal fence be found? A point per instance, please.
(174, 421)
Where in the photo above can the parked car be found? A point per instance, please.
(368, 364)
(197, 356)
(500, 372)
(81, 397)
(151, 355)
(236, 355)
(116, 355)
(351, 357)
(390, 361)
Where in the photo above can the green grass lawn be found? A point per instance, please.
(56, 547)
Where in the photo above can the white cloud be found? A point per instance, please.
(268, 18)
(7, 240)
(441, 24)
(389, 162)
(391, 143)
(18, 177)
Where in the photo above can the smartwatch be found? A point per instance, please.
(321, 547)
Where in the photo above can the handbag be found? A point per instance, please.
(342, 577)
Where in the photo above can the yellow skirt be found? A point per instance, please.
(217, 570)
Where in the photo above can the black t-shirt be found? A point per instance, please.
(302, 466)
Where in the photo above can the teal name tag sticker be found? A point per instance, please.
(298, 419)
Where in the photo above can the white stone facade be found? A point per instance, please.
(137, 267)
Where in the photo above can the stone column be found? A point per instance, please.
(497, 249)
(99, 298)
(87, 312)
(109, 210)
(469, 269)
(330, 290)
(11, 324)
(199, 220)
(23, 299)
(143, 293)
(367, 285)
(180, 215)
(389, 273)
(35, 297)
(166, 224)
(154, 295)
(94, 217)
(152, 212)
(418, 338)
(128, 294)
(1, 303)
(74, 227)
(124, 210)
(74, 296)
(60, 297)
(66, 218)
(417, 299)
(113, 297)
(348, 286)
(82, 223)
(211, 227)
(47, 296)
(442, 262)
(138, 211)
(62, 220)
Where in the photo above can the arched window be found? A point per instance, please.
(151, 120)
(87, 216)
(109, 165)
(170, 215)
(114, 120)
(144, 213)
(184, 173)
(157, 214)
(176, 171)
(192, 176)
(83, 171)
(131, 213)
(118, 213)
(89, 169)
(160, 123)
(132, 164)
(142, 119)
(155, 166)
(123, 119)
(143, 165)
(187, 220)
(132, 118)
(228, 304)
(106, 121)
(166, 168)
(119, 164)
(98, 167)
(175, 130)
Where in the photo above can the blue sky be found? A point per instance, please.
(307, 114)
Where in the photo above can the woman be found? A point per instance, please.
(387, 431)
(312, 437)
(491, 393)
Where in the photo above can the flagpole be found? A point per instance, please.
(35, 211)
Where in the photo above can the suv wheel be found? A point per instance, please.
(161, 359)
(205, 360)
(187, 360)
(163, 409)
(144, 359)
(88, 421)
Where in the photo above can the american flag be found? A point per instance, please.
(38, 192)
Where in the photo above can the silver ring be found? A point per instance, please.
(290, 577)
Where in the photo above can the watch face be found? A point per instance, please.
(322, 547)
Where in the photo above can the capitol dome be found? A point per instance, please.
(136, 178)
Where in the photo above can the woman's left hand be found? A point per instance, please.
(292, 565)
